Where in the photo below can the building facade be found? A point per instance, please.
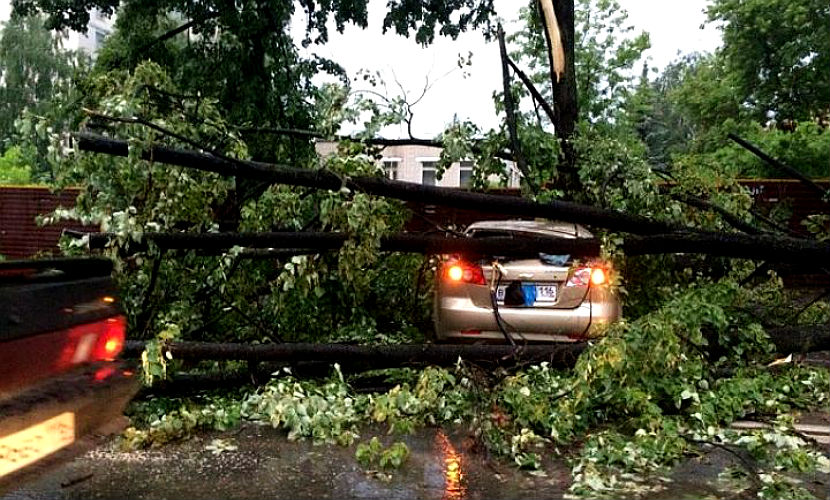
(416, 163)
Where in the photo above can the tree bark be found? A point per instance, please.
(305, 242)
(560, 355)
(762, 247)
(801, 339)
(797, 339)
(565, 104)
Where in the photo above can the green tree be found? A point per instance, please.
(779, 54)
(767, 83)
(606, 49)
(242, 54)
(15, 166)
(36, 74)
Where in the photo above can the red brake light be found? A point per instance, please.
(582, 275)
(111, 340)
(597, 276)
(466, 272)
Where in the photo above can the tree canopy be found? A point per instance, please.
(36, 74)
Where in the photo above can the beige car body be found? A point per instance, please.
(464, 311)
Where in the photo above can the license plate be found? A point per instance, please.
(33, 443)
(544, 293)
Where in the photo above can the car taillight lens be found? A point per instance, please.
(598, 276)
(582, 275)
(111, 340)
(459, 271)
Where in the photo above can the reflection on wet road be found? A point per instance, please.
(455, 486)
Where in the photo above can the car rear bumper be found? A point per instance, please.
(459, 317)
(61, 417)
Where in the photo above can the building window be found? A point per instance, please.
(465, 173)
(428, 176)
(100, 38)
(391, 168)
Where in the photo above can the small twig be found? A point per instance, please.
(77, 480)
(146, 313)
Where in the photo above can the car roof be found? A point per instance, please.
(546, 228)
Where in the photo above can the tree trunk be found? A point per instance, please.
(565, 102)
(306, 242)
(380, 186)
(761, 247)
(560, 355)
(798, 339)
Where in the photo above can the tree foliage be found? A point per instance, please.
(766, 83)
(37, 75)
(651, 392)
(778, 52)
(16, 166)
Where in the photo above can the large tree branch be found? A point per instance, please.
(510, 113)
(537, 96)
(304, 242)
(688, 240)
(730, 218)
(762, 247)
(559, 355)
(780, 166)
(759, 247)
(406, 191)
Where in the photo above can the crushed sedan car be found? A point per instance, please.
(546, 298)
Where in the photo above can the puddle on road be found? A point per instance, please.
(442, 465)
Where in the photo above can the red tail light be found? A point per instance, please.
(24, 361)
(459, 271)
(111, 339)
(582, 275)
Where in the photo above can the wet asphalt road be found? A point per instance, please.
(267, 465)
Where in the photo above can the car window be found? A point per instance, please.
(488, 233)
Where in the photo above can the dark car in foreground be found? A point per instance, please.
(61, 384)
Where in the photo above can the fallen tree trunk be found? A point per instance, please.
(381, 186)
(760, 246)
(801, 339)
(560, 355)
(779, 248)
(763, 247)
(304, 242)
(798, 339)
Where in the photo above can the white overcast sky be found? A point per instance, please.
(674, 27)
